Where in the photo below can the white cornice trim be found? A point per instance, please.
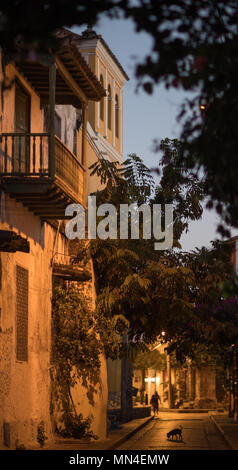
(96, 44)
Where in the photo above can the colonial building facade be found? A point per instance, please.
(105, 117)
(43, 162)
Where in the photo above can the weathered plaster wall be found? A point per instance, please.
(25, 386)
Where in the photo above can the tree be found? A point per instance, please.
(179, 187)
(149, 360)
(155, 290)
(212, 331)
(194, 48)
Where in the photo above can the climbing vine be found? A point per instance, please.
(79, 337)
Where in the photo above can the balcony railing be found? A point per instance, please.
(68, 168)
(24, 154)
(28, 155)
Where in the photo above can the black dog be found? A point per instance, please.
(175, 432)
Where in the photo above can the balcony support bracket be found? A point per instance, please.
(71, 273)
(11, 242)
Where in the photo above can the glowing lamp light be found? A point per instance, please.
(146, 379)
(203, 107)
(152, 379)
(157, 379)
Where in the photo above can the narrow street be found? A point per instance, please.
(199, 433)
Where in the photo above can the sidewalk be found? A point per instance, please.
(115, 438)
(227, 427)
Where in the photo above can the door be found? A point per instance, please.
(21, 158)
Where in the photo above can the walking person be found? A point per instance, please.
(155, 402)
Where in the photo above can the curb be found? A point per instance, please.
(129, 435)
(229, 443)
(186, 410)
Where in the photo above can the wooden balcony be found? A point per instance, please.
(41, 172)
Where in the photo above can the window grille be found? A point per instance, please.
(21, 314)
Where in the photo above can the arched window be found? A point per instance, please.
(102, 101)
(109, 107)
(117, 116)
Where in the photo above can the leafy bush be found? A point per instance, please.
(76, 426)
(41, 436)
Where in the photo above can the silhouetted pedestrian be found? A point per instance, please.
(155, 402)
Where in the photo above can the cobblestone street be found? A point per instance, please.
(199, 433)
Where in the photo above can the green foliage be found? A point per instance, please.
(19, 446)
(80, 336)
(194, 49)
(230, 288)
(179, 187)
(107, 171)
(28, 27)
(149, 360)
(76, 426)
(139, 180)
(41, 435)
(210, 335)
(131, 179)
(76, 346)
(156, 291)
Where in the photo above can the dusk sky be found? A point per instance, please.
(149, 117)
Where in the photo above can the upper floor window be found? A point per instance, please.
(22, 110)
(102, 101)
(117, 108)
(109, 107)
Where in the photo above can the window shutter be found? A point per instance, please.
(21, 314)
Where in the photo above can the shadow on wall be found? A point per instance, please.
(14, 215)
